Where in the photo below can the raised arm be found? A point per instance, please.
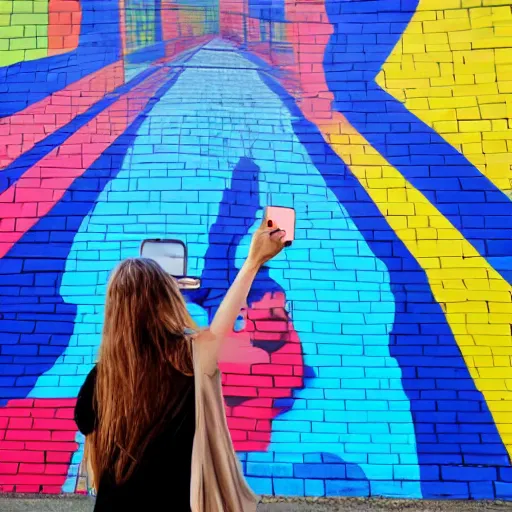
(267, 242)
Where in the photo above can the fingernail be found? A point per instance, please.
(287, 244)
(270, 223)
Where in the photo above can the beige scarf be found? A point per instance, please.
(217, 483)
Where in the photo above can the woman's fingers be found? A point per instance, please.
(269, 224)
(266, 221)
(278, 235)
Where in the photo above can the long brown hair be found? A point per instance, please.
(142, 356)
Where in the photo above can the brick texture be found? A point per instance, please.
(374, 357)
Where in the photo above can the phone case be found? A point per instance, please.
(284, 218)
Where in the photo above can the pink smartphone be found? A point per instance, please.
(283, 218)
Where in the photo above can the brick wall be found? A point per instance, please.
(374, 356)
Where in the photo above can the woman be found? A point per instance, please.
(137, 405)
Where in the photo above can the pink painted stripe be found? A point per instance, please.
(43, 185)
(22, 131)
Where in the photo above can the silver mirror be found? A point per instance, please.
(171, 255)
(189, 283)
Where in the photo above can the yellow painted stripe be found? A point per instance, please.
(453, 69)
(477, 301)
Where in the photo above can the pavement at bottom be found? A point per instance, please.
(78, 504)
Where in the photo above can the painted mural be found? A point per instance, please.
(381, 340)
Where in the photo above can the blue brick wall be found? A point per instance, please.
(368, 381)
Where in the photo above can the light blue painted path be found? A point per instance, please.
(170, 185)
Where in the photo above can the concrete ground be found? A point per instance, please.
(82, 504)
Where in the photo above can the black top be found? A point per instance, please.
(161, 480)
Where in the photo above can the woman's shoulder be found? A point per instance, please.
(85, 417)
(93, 373)
(90, 380)
(205, 348)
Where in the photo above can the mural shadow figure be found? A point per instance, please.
(263, 362)
(340, 478)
